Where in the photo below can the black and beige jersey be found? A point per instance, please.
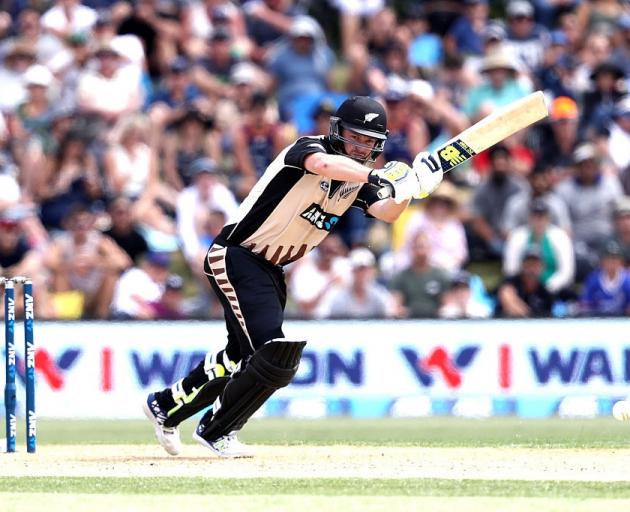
(291, 210)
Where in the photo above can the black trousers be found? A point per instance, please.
(253, 294)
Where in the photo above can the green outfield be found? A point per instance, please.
(396, 464)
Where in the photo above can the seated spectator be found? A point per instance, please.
(363, 297)
(526, 39)
(499, 89)
(465, 35)
(257, 141)
(34, 113)
(552, 76)
(140, 286)
(110, 91)
(192, 136)
(463, 300)
(124, 231)
(267, 21)
(553, 242)
(489, 201)
(622, 226)
(84, 259)
(440, 223)
(607, 288)
(418, 289)
(175, 95)
(590, 197)
(619, 140)
(69, 177)
(212, 72)
(540, 188)
(559, 137)
(18, 58)
(170, 305)
(131, 171)
(205, 193)
(318, 274)
(66, 17)
(524, 295)
(300, 64)
(407, 134)
(598, 103)
(19, 258)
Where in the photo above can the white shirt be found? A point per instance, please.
(618, 145)
(190, 207)
(82, 19)
(135, 166)
(135, 282)
(111, 95)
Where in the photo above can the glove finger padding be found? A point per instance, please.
(399, 178)
(428, 172)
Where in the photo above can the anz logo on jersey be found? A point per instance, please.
(319, 218)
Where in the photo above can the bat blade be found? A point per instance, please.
(492, 129)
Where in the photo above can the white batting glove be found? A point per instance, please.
(398, 179)
(429, 172)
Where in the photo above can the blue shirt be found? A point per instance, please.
(468, 41)
(603, 299)
(163, 95)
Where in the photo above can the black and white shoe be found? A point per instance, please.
(168, 437)
(227, 446)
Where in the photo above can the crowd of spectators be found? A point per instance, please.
(130, 132)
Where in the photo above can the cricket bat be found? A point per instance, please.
(490, 130)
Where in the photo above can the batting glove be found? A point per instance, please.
(429, 173)
(397, 179)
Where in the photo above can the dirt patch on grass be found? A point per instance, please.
(324, 462)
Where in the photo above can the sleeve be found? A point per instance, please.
(563, 276)
(368, 195)
(587, 298)
(301, 149)
(514, 249)
(185, 213)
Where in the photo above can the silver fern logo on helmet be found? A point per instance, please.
(369, 117)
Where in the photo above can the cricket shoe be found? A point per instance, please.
(168, 437)
(227, 446)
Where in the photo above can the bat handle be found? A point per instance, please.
(385, 192)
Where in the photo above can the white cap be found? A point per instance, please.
(243, 73)
(304, 26)
(421, 89)
(361, 257)
(38, 75)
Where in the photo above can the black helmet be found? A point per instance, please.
(361, 115)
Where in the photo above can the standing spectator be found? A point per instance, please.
(140, 286)
(205, 193)
(123, 229)
(418, 289)
(590, 197)
(489, 203)
(300, 64)
(523, 295)
(85, 260)
(555, 248)
(363, 297)
(318, 274)
(540, 188)
(607, 288)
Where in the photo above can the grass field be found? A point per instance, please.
(333, 465)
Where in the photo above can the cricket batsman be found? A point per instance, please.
(295, 204)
